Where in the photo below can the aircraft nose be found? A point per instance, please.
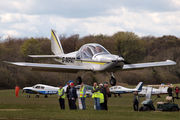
(120, 59)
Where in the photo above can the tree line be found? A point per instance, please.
(131, 47)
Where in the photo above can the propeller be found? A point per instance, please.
(126, 62)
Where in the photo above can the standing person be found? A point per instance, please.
(17, 90)
(177, 91)
(136, 101)
(102, 96)
(68, 94)
(73, 96)
(82, 92)
(169, 90)
(61, 96)
(107, 91)
(96, 96)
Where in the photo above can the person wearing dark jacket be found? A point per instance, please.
(136, 101)
(169, 90)
(73, 96)
(68, 94)
(107, 91)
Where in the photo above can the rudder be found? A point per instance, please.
(55, 43)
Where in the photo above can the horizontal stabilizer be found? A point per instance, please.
(44, 56)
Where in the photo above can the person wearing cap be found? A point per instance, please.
(96, 96)
(68, 94)
(136, 101)
(82, 95)
(73, 96)
(61, 96)
(102, 96)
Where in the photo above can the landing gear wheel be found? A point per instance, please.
(28, 96)
(113, 81)
(37, 96)
(46, 96)
(79, 80)
(174, 109)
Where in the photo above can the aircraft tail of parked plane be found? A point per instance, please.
(139, 86)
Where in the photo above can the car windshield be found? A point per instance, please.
(89, 50)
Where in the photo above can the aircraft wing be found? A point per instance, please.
(148, 65)
(49, 67)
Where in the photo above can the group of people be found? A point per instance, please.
(100, 95)
(71, 95)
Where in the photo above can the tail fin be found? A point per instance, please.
(55, 43)
(139, 86)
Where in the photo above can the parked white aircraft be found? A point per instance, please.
(121, 90)
(161, 90)
(90, 57)
(43, 89)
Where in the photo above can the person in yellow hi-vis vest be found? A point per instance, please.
(61, 96)
(102, 95)
(96, 96)
(82, 95)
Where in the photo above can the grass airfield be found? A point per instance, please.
(12, 108)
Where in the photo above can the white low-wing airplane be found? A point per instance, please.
(121, 90)
(90, 57)
(161, 90)
(42, 89)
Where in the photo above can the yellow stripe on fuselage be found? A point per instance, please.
(101, 63)
(56, 41)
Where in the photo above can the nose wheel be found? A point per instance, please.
(79, 80)
(112, 81)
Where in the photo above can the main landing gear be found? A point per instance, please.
(79, 80)
(112, 80)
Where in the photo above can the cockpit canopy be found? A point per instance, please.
(87, 51)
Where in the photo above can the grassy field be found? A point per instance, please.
(48, 108)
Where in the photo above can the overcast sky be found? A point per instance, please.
(35, 18)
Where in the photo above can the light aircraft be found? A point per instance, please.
(43, 89)
(90, 57)
(161, 90)
(40, 89)
(121, 90)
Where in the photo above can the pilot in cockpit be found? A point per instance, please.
(98, 49)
